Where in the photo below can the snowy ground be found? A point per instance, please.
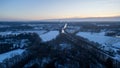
(27, 31)
(49, 36)
(101, 39)
(10, 54)
(45, 35)
(107, 43)
(65, 46)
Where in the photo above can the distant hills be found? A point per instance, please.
(117, 18)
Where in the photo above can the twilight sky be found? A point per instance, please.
(53, 9)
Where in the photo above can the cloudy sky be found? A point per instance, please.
(54, 9)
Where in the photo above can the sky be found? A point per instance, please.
(55, 9)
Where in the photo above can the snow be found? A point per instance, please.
(101, 39)
(49, 35)
(117, 45)
(117, 57)
(10, 54)
(65, 46)
(3, 26)
(23, 43)
(5, 33)
(94, 37)
(39, 32)
(27, 31)
(117, 36)
(107, 43)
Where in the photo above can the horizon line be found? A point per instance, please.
(18, 19)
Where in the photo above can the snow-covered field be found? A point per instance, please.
(49, 35)
(11, 54)
(45, 35)
(107, 43)
(28, 31)
(101, 39)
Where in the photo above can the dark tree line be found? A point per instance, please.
(12, 42)
(51, 55)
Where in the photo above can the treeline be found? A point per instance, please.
(15, 28)
(57, 53)
(12, 42)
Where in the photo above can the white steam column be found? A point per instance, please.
(63, 29)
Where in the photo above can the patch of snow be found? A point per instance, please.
(3, 26)
(65, 46)
(116, 45)
(70, 30)
(49, 36)
(45, 60)
(38, 27)
(93, 37)
(117, 36)
(117, 57)
(103, 25)
(23, 43)
(5, 33)
(39, 32)
(10, 54)
(100, 38)
(107, 43)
